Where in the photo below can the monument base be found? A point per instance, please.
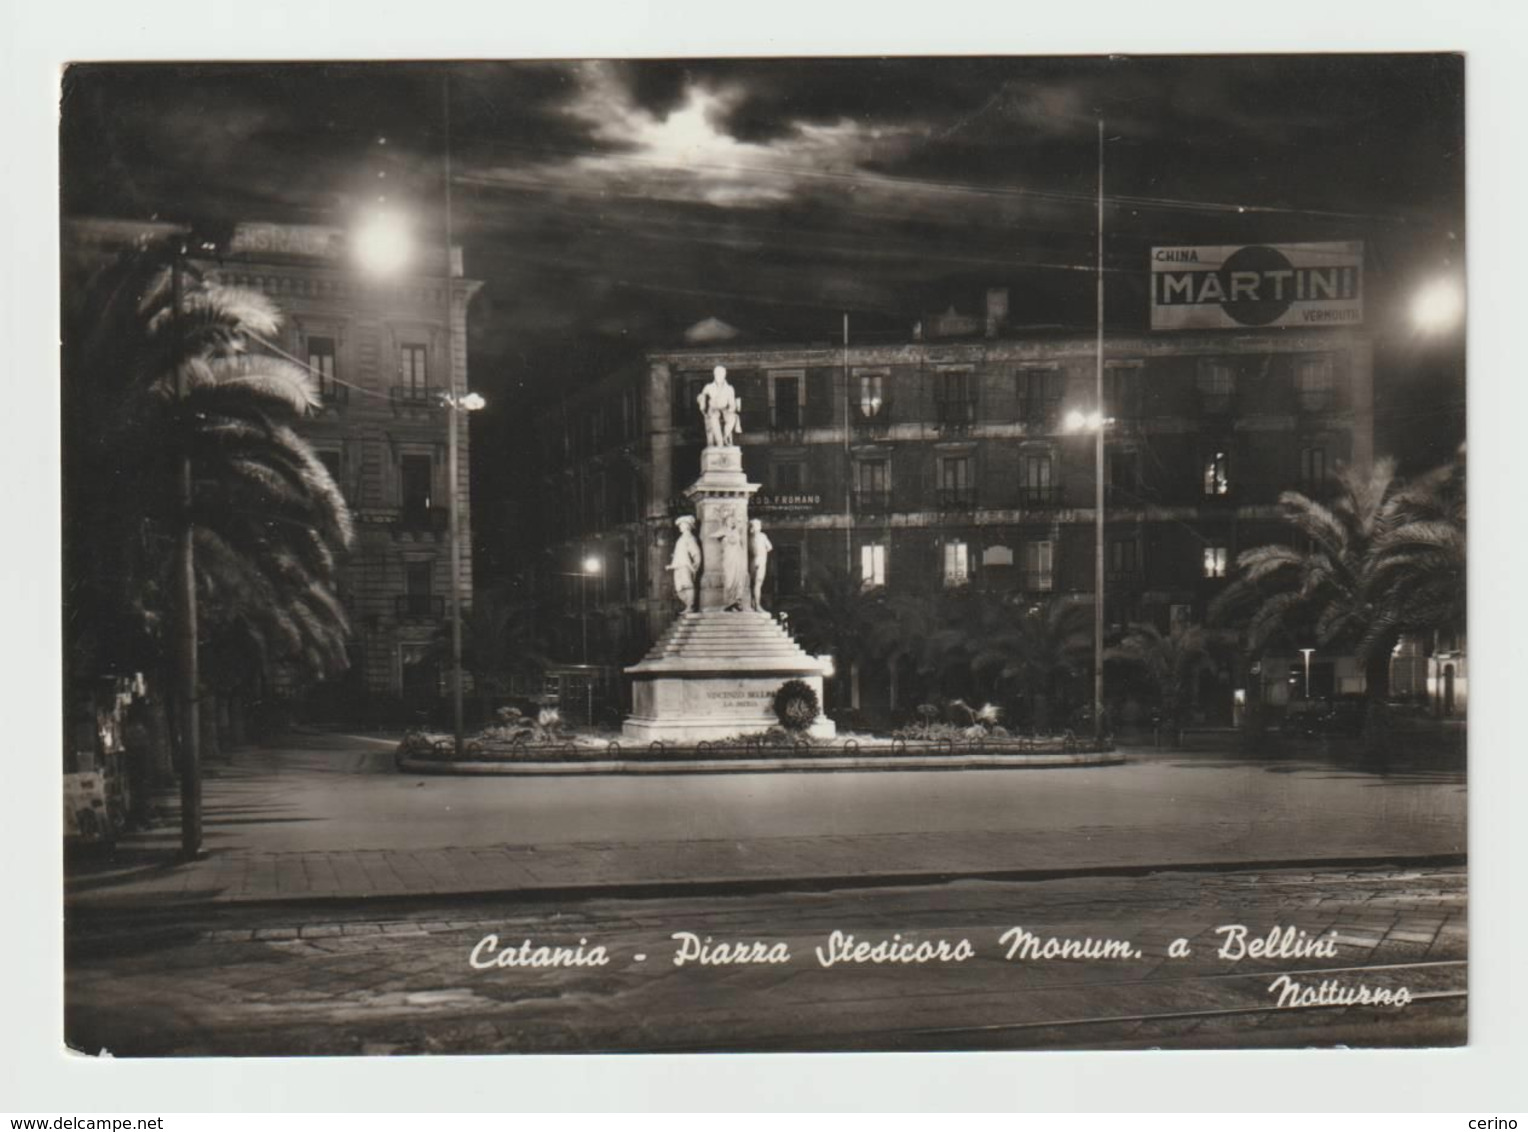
(714, 675)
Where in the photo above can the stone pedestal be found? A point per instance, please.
(714, 673)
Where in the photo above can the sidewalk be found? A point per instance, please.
(335, 823)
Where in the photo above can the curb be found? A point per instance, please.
(765, 766)
(125, 912)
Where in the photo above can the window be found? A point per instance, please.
(1215, 561)
(1217, 385)
(1313, 384)
(1121, 392)
(1040, 396)
(416, 599)
(413, 372)
(1035, 480)
(1123, 468)
(872, 395)
(322, 364)
(957, 563)
(1217, 474)
(416, 578)
(629, 414)
(956, 483)
(872, 483)
(1312, 469)
(785, 567)
(1122, 557)
(1038, 566)
(789, 477)
(873, 565)
(415, 474)
(955, 397)
(786, 394)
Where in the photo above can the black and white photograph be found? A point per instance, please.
(764, 554)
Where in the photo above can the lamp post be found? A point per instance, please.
(456, 405)
(1095, 422)
(1306, 653)
(590, 567)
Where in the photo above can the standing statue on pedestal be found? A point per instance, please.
(685, 562)
(759, 547)
(720, 406)
(734, 565)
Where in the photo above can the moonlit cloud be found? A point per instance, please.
(686, 154)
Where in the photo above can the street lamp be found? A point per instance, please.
(591, 567)
(381, 243)
(1306, 653)
(455, 405)
(1438, 306)
(1095, 422)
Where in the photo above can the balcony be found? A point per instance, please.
(785, 419)
(428, 607)
(957, 498)
(871, 502)
(415, 398)
(1040, 415)
(955, 415)
(876, 422)
(1045, 495)
(423, 520)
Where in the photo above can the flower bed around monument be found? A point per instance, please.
(775, 744)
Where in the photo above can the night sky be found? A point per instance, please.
(608, 205)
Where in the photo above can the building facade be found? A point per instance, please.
(382, 351)
(946, 460)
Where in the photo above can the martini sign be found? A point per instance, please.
(1231, 287)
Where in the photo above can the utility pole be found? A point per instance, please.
(1098, 484)
(848, 461)
(187, 677)
(453, 410)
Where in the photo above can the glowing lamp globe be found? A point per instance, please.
(382, 244)
(1438, 306)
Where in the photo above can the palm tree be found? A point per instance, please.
(906, 628)
(1325, 588)
(268, 522)
(836, 614)
(1171, 662)
(1033, 649)
(1416, 575)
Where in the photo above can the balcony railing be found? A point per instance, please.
(785, 418)
(1046, 495)
(955, 414)
(957, 498)
(424, 519)
(334, 394)
(871, 501)
(428, 606)
(876, 421)
(1042, 414)
(414, 396)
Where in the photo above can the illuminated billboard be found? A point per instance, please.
(1233, 286)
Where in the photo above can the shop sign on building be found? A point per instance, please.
(307, 240)
(778, 504)
(1227, 287)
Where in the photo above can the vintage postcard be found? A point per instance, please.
(764, 554)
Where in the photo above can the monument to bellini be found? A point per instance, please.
(715, 671)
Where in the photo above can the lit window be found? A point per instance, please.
(1215, 562)
(873, 565)
(1038, 562)
(872, 387)
(957, 563)
(322, 365)
(1217, 474)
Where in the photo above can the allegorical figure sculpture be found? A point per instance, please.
(759, 547)
(685, 563)
(720, 406)
(734, 564)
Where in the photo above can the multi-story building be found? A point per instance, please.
(946, 460)
(383, 351)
